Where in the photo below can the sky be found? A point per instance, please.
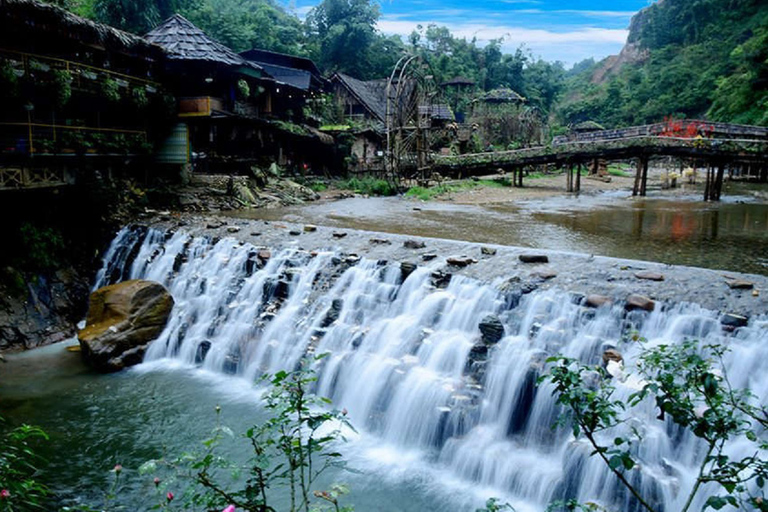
(564, 30)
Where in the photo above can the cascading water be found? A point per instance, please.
(407, 361)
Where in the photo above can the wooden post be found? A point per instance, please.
(719, 181)
(569, 178)
(578, 178)
(520, 177)
(638, 172)
(707, 183)
(645, 176)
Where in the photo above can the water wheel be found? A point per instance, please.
(411, 105)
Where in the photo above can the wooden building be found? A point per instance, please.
(77, 94)
(238, 114)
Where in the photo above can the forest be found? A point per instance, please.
(694, 59)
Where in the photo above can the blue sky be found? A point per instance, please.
(563, 30)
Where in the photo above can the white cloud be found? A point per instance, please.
(579, 12)
(567, 46)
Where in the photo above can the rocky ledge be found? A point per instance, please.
(598, 280)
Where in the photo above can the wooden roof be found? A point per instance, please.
(372, 94)
(182, 40)
(35, 17)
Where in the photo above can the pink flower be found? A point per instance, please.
(230, 508)
(5, 494)
(156, 481)
(118, 468)
(169, 496)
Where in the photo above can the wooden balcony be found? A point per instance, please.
(199, 106)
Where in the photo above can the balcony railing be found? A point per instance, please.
(40, 139)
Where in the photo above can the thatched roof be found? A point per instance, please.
(36, 18)
(588, 126)
(458, 82)
(182, 40)
(501, 95)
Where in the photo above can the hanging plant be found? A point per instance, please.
(62, 87)
(139, 97)
(243, 89)
(110, 90)
(9, 80)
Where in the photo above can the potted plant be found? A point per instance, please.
(110, 90)
(62, 87)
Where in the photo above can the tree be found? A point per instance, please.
(691, 389)
(341, 34)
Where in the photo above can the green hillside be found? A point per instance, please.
(691, 58)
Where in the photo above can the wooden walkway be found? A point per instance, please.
(734, 145)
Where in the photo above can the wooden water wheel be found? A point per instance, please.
(411, 107)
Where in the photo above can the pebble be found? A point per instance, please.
(651, 276)
(488, 251)
(309, 228)
(534, 258)
(414, 244)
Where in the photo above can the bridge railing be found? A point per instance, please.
(688, 128)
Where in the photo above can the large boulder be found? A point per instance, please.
(122, 320)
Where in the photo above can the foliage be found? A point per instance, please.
(344, 32)
(243, 89)
(368, 186)
(20, 490)
(62, 87)
(493, 505)
(110, 89)
(9, 82)
(245, 24)
(42, 247)
(139, 97)
(689, 385)
(290, 449)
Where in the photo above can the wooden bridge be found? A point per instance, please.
(715, 146)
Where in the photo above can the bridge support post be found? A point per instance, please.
(641, 176)
(719, 181)
(578, 178)
(569, 178)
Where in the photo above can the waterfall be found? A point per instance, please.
(406, 362)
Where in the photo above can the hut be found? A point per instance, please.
(238, 114)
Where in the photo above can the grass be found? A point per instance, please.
(615, 170)
(427, 193)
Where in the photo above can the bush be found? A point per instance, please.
(19, 489)
(368, 186)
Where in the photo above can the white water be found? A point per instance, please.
(399, 362)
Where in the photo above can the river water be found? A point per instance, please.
(678, 229)
(440, 425)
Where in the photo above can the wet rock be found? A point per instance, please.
(310, 228)
(635, 302)
(492, 329)
(545, 275)
(352, 259)
(534, 258)
(650, 276)
(215, 225)
(488, 251)
(740, 284)
(461, 261)
(414, 244)
(596, 301)
(122, 320)
(333, 313)
(528, 287)
(441, 279)
(406, 269)
(233, 229)
(339, 234)
(255, 233)
(734, 320)
(202, 351)
(611, 354)
(264, 255)
(428, 257)
(294, 232)
(379, 241)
